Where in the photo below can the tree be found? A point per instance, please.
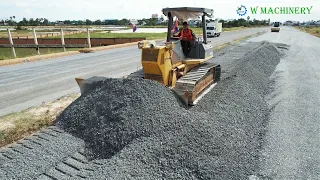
(45, 22)
(97, 22)
(80, 22)
(161, 18)
(11, 21)
(124, 22)
(242, 22)
(37, 22)
(140, 21)
(31, 22)
(88, 22)
(67, 22)
(199, 24)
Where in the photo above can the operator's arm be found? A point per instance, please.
(179, 33)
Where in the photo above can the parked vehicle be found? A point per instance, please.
(214, 29)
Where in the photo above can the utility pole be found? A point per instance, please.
(36, 41)
(11, 43)
(88, 38)
(62, 41)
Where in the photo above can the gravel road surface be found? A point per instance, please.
(292, 147)
(29, 84)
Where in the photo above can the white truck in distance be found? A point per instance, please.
(214, 29)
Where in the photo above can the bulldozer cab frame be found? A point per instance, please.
(185, 13)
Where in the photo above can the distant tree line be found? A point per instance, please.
(123, 22)
(244, 22)
(45, 22)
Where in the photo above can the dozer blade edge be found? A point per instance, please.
(189, 89)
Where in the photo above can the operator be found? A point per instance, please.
(186, 35)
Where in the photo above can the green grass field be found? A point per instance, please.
(4, 34)
(116, 35)
(6, 53)
(148, 36)
(311, 30)
(101, 34)
(16, 33)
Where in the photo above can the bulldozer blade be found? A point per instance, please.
(189, 89)
(80, 83)
(85, 84)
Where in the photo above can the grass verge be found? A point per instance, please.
(311, 30)
(115, 35)
(16, 33)
(6, 53)
(236, 41)
(221, 46)
(16, 126)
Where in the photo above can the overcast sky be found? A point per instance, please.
(134, 9)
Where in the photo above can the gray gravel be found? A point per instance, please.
(148, 135)
(116, 111)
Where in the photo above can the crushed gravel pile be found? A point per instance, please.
(113, 112)
(191, 153)
(138, 130)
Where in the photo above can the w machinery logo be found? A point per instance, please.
(242, 10)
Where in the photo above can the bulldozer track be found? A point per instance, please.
(196, 74)
(70, 167)
(48, 154)
(197, 80)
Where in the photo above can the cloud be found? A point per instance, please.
(28, 11)
(21, 4)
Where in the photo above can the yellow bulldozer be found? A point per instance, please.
(189, 77)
